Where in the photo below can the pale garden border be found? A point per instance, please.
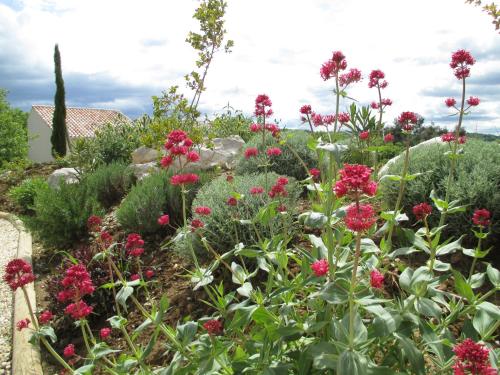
(25, 357)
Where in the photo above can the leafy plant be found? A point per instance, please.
(13, 132)
(24, 194)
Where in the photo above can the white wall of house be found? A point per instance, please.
(38, 139)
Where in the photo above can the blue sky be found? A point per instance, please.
(118, 53)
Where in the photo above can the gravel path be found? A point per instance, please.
(8, 249)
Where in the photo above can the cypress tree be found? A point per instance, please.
(59, 137)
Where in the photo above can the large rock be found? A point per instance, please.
(145, 155)
(383, 171)
(66, 175)
(143, 170)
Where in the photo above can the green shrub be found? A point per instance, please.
(24, 194)
(220, 227)
(476, 183)
(61, 214)
(151, 197)
(13, 132)
(231, 123)
(110, 182)
(285, 164)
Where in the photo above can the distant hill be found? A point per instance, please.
(484, 137)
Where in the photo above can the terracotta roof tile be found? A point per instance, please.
(81, 122)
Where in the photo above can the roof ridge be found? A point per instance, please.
(91, 108)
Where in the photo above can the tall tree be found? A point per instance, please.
(59, 137)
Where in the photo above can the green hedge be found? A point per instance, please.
(24, 194)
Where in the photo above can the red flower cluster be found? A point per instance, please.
(255, 128)
(94, 223)
(250, 152)
(450, 102)
(178, 144)
(76, 283)
(45, 317)
(359, 217)
(106, 238)
(18, 273)
(385, 103)
(306, 109)
(273, 151)
(344, 117)
(388, 138)
(256, 190)
(69, 351)
(376, 279)
(364, 135)
(278, 189)
(232, 201)
(375, 79)
(78, 310)
(134, 245)
(473, 101)
(317, 119)
(105, 332)
(355, 180)
(163, 220)
(406, 120)
(315, 173)
(354, 75)
(196, 224)
(422, 210)
(213, 327)
(261, 104)
(134, 277)
(184, 179)
(203, 210)
(320, 267)
(481, 217)
(22, 324)
(448, 137)
(331, 68)
(461, 61)
(149, 273)
(472, 358)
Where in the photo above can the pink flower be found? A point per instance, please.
(388, 138)
(374, 105)
(386, 102)
(164, 220)
(232, 201)
(213, 327)
(250, 152)
(406, 120)
(306, 109)
(188, 142)
(354, 75)
(460, 62)
(481, 217)
(18, 273)
(229, 178)
(364, 135)
(184, 179)
(462, 139)
(78, 310)
(370, 189)
(149, 273)
(344, 118)
(22, 324)
(354, 179)
(76, 283)
(105, 332)
(179, 150)
(166, 161)
(315, 173)
(273, 129)
(281, 208)
(134, 240)
(136, 252)
(473, 101)
(203, 210)
(255, 128)
(261, 104)
(94, 223)
(376, 279)
(472, 358)
(330, 68)
(375, 79)
(320, 267)
(196, 224)
(317, 119)
(448, 137)
(106, 238)
(256, 190)
(328, 119)
(282, 181)
(359, 218)
(450, 102)
(134, 277)
(45, 317)
(193, 156)
(273, 151)
(69, 351)
(177, 136)
(422, 210)
(278, 190)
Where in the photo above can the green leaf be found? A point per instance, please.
(48, 331)
(123, 294)
(441, 266)
(245, 290)
(334, 294)
(462, 288)
(405, 279)
(384, 316)
(477, 280)
(324, 355)
(263, 317)
(440, 204)
(201, 278)
(449, 248)
(239, 275)
(493, 275)
(352, 363)
(101, 349)
(318, 243)
(186, 332)
(483, 321)
(404, 251)
(84, 370)
(427, 307)
(313, 219)
(368, 246)
(412, 353)
(490, 308)
(117, 322)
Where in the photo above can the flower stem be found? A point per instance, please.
(352, 289)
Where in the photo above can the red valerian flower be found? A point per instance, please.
(78, 310)
(134, 277)
(177, 136)
(94, 223)
(344, 117)
(376, 77)
(105, 332)
(232, 201)
(250, 152)
(193, 156)
(315, 174)
(388, 138)
(22, 324)
(406, 120)
(149, 273)
(69, 351)
(481, 217)
(134, 240)
(330, 68)
(354, 75)
(229, 178)
(166, 161)
(306, 109)
(184, 179)
(255, 128)
(196, 224)
(179, 150)
(374, 105)
(76, 283)
(213, 327)
(354, 179)
(422, 210)
(320, 267)
(317, 119)
(448, 137)
(261, 104)
(281, 208)
(328, 119)
(203, 210)
(278, 191)
(18, 273)
(462, 139)
(273, 151)
(282, 181)
(376, 279)
(359, 217)
(473, 101)
(45, 317)
(136, 252)
(256, 190)
(386, 102)
(364, 135)
(472, 358)
(106, 238)
(450, 102)
(273, 129)
(460, 62)
(163, 220)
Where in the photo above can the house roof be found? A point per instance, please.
(81, 122)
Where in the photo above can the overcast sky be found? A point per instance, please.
(118, 53)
